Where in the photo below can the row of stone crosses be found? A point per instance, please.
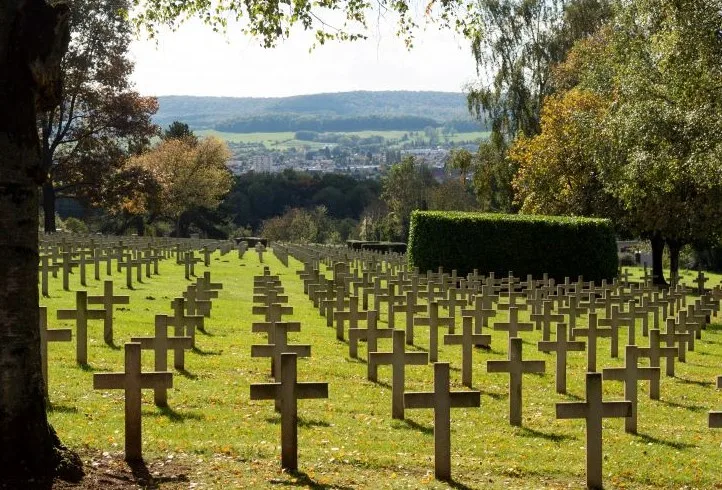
(188, 313)
(477, 299)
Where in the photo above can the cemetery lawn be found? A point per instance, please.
(216, 438)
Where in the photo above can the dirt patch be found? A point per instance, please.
(109, 471)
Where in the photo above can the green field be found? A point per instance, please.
(287, 140)
(350, 440)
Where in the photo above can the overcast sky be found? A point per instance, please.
(196, 61)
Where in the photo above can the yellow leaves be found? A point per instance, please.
(188, 176)
(555, 166)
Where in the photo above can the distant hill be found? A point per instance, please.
(325, 112)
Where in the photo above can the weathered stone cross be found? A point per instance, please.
(108, 300)
(442, 400)
(592, 332)
(434, 322)
(467, 339)
(561, 346)
(288, 391)
(46, 335)
(593, 410)
(513, 326)
(81, 314)
(132, 381)
(630, 374)
(160, 345)
(516, 367)
(398, 358)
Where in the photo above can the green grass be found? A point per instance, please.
(350, 439)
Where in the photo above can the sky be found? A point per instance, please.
(196, 61)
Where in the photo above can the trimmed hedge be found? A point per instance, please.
(396, 247)
(525, 244)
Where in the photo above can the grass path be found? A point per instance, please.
(350, 440)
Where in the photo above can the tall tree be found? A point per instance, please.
(188, 177)
(516, 43)
(33, 38)
(99, 118)
(407, 187)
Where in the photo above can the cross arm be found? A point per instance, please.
(572, 410)
(464, 399)
(617, 409)
(108, 381)
(416, 358)
(265, 391)
(96, 315)
(59, 335)
(533, 366)
(308, 390)
(498, 366)
(419, 399)
(157, 379)
(67, 314)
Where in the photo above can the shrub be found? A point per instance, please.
(524, 244)
(74, 225)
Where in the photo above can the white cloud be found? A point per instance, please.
(196, 61)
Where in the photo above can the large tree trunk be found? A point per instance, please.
(33, 37)
(674, 249)
(657, 253)
(49, 207)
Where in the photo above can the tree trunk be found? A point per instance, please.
(49, 207)
(674, 248)
(33, 37)
(657, 253)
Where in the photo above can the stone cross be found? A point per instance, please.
(288, 391)
(513, 326)
(160, 345)
(81, 314)
(545, 319)
(280, 346)
(442, 400)
(371, 334)
(593, 410)
(132, 381)
(516, 367)
(434, 322)
(108, 300)
(573, 310)
(715, 418)
(398, 358)
(680, 339)
(700, 282)
(630, 374)
(561, 347)
(480, 314)
(655, 352)
(260, 248)
(411, 308)
(47, 335)
(274, 312)
(592, 332)
(467, 339)
(195, 305)
(613, 322)
(353, 316)
(184, 326)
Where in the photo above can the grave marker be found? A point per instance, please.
(561, 347)
(81, 314)
(108, 300)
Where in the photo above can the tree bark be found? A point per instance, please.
(33, 37)
(657, 253)
(49, 207)
(674, 248)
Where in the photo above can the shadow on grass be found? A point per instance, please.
(205, 332)
(382, 383)
(187, 374)
(494, 396)
(147, 481)
(457, 484)
(302, 422)
(90, 369)
(547, 436)
(56, 407)
(113, 345)
(201, 352)
(173, 415)
(356, 360)
(691, 408)
(663, 442)
(301, 479)
(704, 384)
(412, 425)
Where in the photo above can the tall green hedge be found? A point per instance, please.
(525, 244)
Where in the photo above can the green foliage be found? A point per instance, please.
(74, 225)
(406, 187)
(180, 130)
(499, 243)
